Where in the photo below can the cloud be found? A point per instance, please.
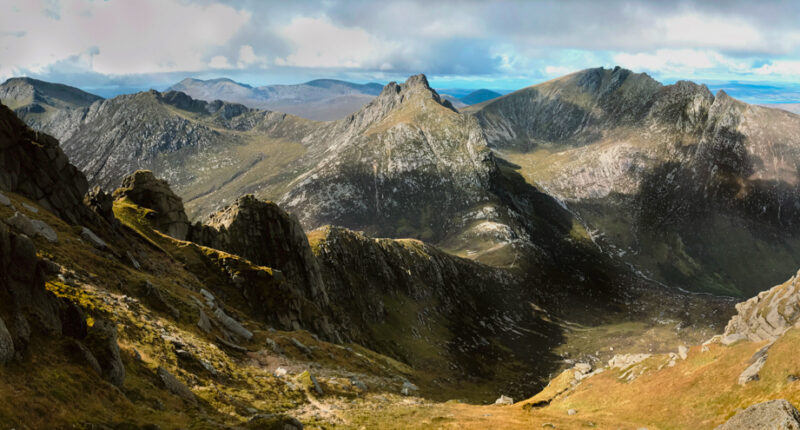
(789, 68)
(247, 56)
(317, 42)
(464, 41)
(219, 62)
(709, 31)
(145, 36)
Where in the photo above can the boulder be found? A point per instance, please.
(756, 363)
(623, 361)
(92, 238)
(44, 230)
(203, 322)
(309, 381)
(145, 190)
(4, 201)
(683, 352)
(32, 227)
(232, 325)
(299, 345)
(773, 415)
(408, 388)
(174, 385)
(504, 400)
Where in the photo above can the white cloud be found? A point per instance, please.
(319, 43)
(220, 62)
(554, 71)
(247, 55)
(683, 62)
(145, 36)
(699, 30)
(789, 68)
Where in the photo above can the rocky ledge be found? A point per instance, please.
(766, 316)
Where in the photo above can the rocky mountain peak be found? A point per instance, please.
(145, 190)
(266, 235)
(419, 80)
(395, 94)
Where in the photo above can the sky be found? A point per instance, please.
(116, 46)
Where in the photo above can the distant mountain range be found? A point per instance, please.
(320, 99)
(791, 107)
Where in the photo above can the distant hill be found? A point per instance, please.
(320, 99)
(791, 107)
(45, 105)
(455, 101)
(479, 96)
(36, 95)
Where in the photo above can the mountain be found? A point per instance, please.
(211, 152)
(35, 96)
(45, 105)
(479, 96)
(407, 165)
(135, 304)
(321, 99)
(670, 178)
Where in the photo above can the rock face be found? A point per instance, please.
(34, 166)
(756, 363)
(406, 165)
(144, 189)
(102, 204)
(28, 309)
(774, 414)
(670, 178)
(266, 235)
(766, 316)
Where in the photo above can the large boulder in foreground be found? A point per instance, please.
(773, 415)
(147, 191)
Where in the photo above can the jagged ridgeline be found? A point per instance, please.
(698, 191)
(670, 179)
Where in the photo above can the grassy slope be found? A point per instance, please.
(699, 393)
(52, 388)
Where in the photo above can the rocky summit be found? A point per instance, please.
(569, 255)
